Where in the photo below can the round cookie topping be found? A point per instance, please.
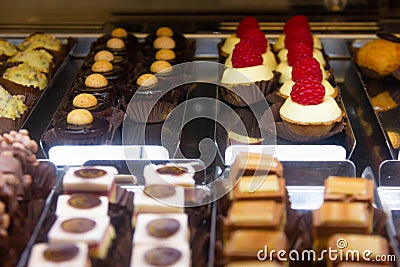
(119, 33)
(102, 66)
(90, 173)
(160, 190)
(308, 92)
(104, 55)
(78, 225)
(60, 252)
(84, 201)
(84, 100)
(115, 43)
(162, 256)
(161, 66)
(164, 31)
(164, 42)
(79, 116)
(165, 54)
(246, 23)
(172, 170)
(163, 227)
(96, 80)
(147, 80)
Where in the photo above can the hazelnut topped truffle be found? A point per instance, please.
(79, 117)
(104, 55)
(161, 66)
(115, 43)
(165, 54)
(102, 66)
(84, 100)
(165, 31)
(164, 42)
(119, 33)
(96, 80)
(147, 80)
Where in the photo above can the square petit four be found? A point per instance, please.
(255, 214)
(177, 255)
(96, 232)
(161, 229)
(245, 244)
(253, 164)
(53, 255)
(353, 248)
(82, 204)
(159, 198)
(97, 180)
(265, 187)
(176, 174)
(349, 189)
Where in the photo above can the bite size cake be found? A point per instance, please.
(254, 164)
(11, 106)
(97, 180)
(97, 233)
(161, 229)
(53, 255)
(26, 75)
(306, 67)
(175, 174)
(349, 189)
(96, 105)
(154, 255)
(40, 59)
(41, 40)
(7, 49)
(308, 111)
(82, 204)
(265, 187)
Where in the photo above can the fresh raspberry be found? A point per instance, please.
(301, 35)
(246, 23)
(308, 92)
(245, 54)
(307, 67)
(296, 22)
(256, 37)
(297, 52)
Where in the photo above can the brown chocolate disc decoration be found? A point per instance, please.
(84, 201)
(60, 252)
(160, 190)
(163, 227)
(162, 256)
(78, 225)
(90, 173)
(172, 170)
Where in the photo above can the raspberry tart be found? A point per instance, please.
(249, 81)
(308, 111)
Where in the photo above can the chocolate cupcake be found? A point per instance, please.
(97, 106)
(93, 57)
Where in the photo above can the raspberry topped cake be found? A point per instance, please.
(232, 40)
(307, 67)
(308, 110)
(256, 37)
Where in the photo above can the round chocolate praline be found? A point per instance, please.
(84, 201)
(106, 92)
(102, 105)
(162, 256)
(116, 73)
(98, 127)
(78, 225)
(163, 227)
(60, 252)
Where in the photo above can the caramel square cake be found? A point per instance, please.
(82, 204)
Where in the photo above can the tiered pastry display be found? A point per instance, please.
(25, 184)
(255, 217)
(26, 70)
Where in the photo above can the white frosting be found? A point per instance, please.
(64, 208)
(317, 54)
(268, 60)
(280, 42)
(73, 183)
(286, 88)
(229, 44)
(286, 72)
(327, 111)
(139, 251)
(153, 177)
(232, 76)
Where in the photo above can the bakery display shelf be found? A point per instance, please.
(305, 187)
(130, 180)
(389, 120)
